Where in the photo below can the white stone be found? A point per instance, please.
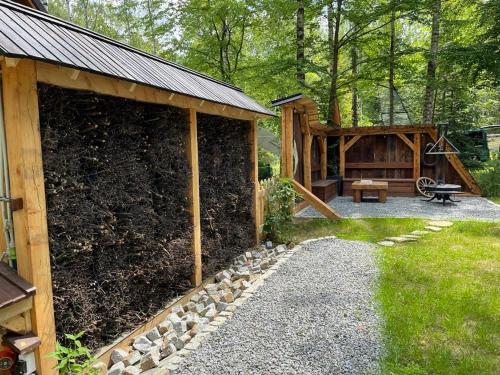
(440, 223)
(386, 243)
(117, 369)
(118, 355)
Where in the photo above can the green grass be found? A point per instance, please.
(495, 199)
(440, 297)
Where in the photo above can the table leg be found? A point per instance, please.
(382, 196)
(357, 196)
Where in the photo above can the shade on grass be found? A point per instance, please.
(440, 296)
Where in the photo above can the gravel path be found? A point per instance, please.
(476, 208)
(315, 315)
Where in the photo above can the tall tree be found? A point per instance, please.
(301, 76)
(354, 88)
(391, 67)
(427, 112)
(334, 18)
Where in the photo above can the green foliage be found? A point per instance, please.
(280, 206)
(74, 358)
(488, 177)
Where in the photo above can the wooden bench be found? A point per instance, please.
(398, 187)
(379, 186)
(324, 189)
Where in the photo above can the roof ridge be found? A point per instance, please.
(59, 21)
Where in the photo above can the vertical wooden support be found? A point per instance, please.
(24, 151)
(342, 156)
(194, 193)
(287, 141)
(254, 157)
(324, 157)
(306, 148)
(416, 155)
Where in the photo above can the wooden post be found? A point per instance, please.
(194, 194)
(287, 141)
(254, 156)
(324, 157)
(342, 156)
(306, 148)
(416, 156)
(24, 151)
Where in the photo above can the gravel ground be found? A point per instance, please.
(469, 208)
(315, 315)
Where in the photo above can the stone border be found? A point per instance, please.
(161, 350)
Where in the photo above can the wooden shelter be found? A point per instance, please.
(314, 154)
(37, 48)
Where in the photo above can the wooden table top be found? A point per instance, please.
(373, 185)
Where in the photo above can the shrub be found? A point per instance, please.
(74, 358)
(488, 178)
(280, 206)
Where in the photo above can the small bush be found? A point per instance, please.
(280, 209)
(488, 178)
(74, 358)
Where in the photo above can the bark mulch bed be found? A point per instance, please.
(226, 187)
(116, 180)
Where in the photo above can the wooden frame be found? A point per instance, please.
(21, 117)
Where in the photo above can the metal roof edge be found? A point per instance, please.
(286, 99)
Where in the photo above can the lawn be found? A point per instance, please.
(440, 297)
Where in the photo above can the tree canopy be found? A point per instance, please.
(382, 61)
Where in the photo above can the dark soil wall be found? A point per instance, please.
(116, 179)
(226, 190)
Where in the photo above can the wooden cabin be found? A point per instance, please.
(38, 49)
(326, 160)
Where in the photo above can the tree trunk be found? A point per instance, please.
(333, 38)
(391, 67)
(354, 103)
(152, 26)
(431, 65)
(301, 77)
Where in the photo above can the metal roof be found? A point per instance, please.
(25, 33)
(286, 99)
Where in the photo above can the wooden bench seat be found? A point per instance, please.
(325, 189)
(362, 186)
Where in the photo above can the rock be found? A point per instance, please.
(440, 223)
(240, 259)
(150, 360)
(157, 371)
(411, 236)
(231, 308)
(178, 309)
(185, 338)
(269, 245)
(164, 326)
(199, 308)
(265, 265)
(118, 355)
(215, 299)
(221, 306)
(420, 232)
(100, 368)
(211, 288)
(225, 284)
(386, 243)
(142, 343)
(400, 239)
(242, 275)
(245, 285)
(280, 249)
(158, 342)
(153, 335)
(237, 294)
(196, 298)
(273, 260)
(207, 309)
(131, 370)
(224, 275)
(133, 358)
(211, 314)
(249, 255)
(168, 349)
(180, 327)
(228, 297)
(433, 229)
(116, 369)
(177, 342)
(174, 318)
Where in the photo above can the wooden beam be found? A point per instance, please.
(342, 156)
(373, 130)
(254, 157)
(22, 130)
(317, 203)
(306, 148)
(351, 143)
(405, 139)
(287, 141)
(11, 62)
(132, 87)
(194, 194)
(416, 156)
(60, 76)
(323, 157)
(74, 74)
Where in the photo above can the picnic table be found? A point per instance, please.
(358, 187)
(443, 192)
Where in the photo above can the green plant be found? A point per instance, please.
(488, 178)
(75, 358)
(280, 206)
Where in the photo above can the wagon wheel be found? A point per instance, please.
(422, 184)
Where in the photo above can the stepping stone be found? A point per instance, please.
(433, 229)
(420, 232)
(386, 243)
(440, 223)
(400, 239)
(411, 236)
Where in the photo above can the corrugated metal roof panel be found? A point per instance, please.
(32, 34)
